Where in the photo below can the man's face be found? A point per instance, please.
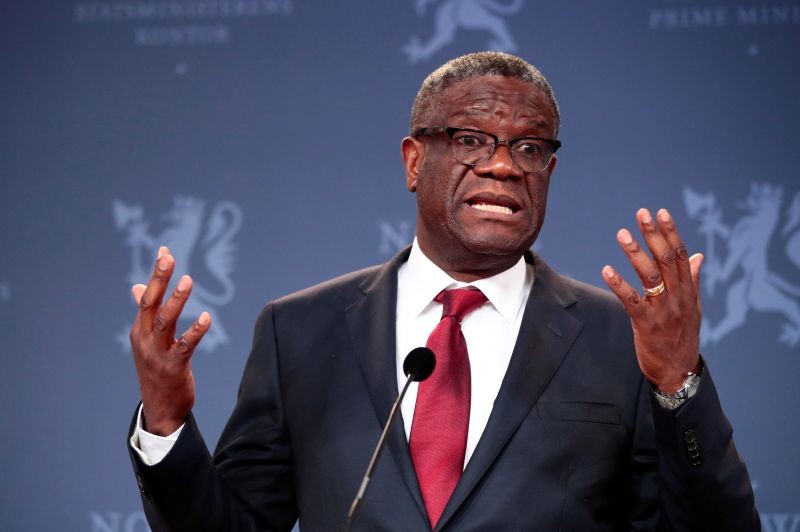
(480, 219)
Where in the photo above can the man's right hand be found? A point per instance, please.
(163, 362)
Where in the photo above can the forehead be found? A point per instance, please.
(495, 99)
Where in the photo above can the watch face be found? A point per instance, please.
(690, 385)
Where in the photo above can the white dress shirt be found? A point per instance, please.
(490, 332)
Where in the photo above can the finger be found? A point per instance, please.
(187, 342)
(167, 316)
(156, 286)
(628, 296)
(675, 243)
(137, 290)
(663, 255)
(649, 274)
(695, 263)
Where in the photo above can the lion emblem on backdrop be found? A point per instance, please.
(452, 15)
(737, 260)
(189, 233)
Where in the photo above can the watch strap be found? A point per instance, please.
(671, 401)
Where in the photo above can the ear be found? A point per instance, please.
(413, 152)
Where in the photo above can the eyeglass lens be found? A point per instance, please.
(473, 148)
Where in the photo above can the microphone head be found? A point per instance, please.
(419, 364)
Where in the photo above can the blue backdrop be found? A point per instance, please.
(260, 140)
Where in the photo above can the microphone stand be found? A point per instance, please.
(374, 460)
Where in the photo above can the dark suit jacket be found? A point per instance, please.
(574, 442)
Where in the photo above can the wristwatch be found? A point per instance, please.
(671, 401)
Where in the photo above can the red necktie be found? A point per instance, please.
(438, 438)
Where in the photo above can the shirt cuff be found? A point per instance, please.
(151, 448)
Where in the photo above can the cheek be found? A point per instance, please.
(537, 192)
(430, 196)
(437, 184)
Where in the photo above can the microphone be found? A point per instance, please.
(417, 366)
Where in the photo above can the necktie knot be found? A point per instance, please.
(459, 302)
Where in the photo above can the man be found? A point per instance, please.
(568, 412)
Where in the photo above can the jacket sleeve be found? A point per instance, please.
(248, 486)
(690, 476)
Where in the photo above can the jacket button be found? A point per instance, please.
(692, 447)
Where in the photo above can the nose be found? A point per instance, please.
(499, 166)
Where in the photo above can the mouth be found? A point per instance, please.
(488, 207)
(503, 205)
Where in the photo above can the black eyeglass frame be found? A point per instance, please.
(509, 143)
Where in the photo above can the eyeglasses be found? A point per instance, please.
(473, 147)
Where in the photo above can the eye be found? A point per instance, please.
(531, 148)
(468, 140)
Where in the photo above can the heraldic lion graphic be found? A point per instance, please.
(184, 235)
(451, 15)
(744, 268)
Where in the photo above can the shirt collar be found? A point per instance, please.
(504, 291)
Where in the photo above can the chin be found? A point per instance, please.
(496, 245)
(493, 235)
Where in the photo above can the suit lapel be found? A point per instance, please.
(371, 321)
(545, 337)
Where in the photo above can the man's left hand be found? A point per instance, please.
(666, 320)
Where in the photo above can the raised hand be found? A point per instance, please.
(163, 362)
(666, 320)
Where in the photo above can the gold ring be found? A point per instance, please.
(656, 290)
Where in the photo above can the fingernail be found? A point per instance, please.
(161, 251)
(608, 271)
(183, 284)
(624, 236)
(663, 214)
(162, 263)
(204, 318)
(646, 217)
